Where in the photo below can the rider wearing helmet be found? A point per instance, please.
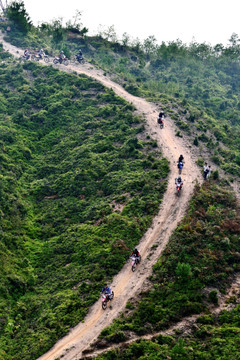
(41, 53)
(106, 290)
(180, 158)
(61, 56)
(161, 117)
(136, 254)
(27, 53)
(79, 55)
(205, 171)
(179, 182)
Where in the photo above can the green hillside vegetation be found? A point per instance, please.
(197, 85)
(213, 338)
(80, 184)
(198, 263)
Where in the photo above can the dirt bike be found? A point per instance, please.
(106, 298)
(36, 57)
(179, 188)
(135, 261)
(78, 60)
(57, 60)
(24, 58)
(161, 122)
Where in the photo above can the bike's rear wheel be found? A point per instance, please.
(134, 267)
(161, 126)
(104, 305)
(46, 59)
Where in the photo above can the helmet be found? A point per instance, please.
(179, 179)
(61, 52)
(41, 50)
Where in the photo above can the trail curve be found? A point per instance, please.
(172, 209)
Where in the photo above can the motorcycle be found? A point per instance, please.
(135, 261)
(179, 188)
(161, 122)
(78, 59)
(24, 58)
(36, 57)
(106, 298)
(58, 60)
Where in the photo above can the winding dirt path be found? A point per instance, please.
(185, 326)
(126, 283)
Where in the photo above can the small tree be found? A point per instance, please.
(75, 26)
(125, 39)
(17, 13)
(184, 272)
(149, 45)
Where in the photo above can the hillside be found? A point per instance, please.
(83, 180)
(62, 138)
(191, 277)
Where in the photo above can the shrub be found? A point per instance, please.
(213, 297)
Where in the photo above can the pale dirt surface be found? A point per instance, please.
(183, 327)
(126, 283)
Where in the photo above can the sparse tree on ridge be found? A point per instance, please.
(4, 6)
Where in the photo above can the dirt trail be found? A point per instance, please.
(185, 326)
(126, 283)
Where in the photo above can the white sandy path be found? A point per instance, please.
(126, 283)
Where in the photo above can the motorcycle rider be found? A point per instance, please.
(205, 171)
(79, 55)
(181, 158)
(41, 54)
(180, 165)
(179, 182)
(61, 56)
(135, 253)
(107, 291)
(27, 54)
(161, 117)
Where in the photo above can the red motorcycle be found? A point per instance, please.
(179, 188)
(161, 121)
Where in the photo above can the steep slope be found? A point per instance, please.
(172, 209)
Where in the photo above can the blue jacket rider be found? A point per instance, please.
(106, 290)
